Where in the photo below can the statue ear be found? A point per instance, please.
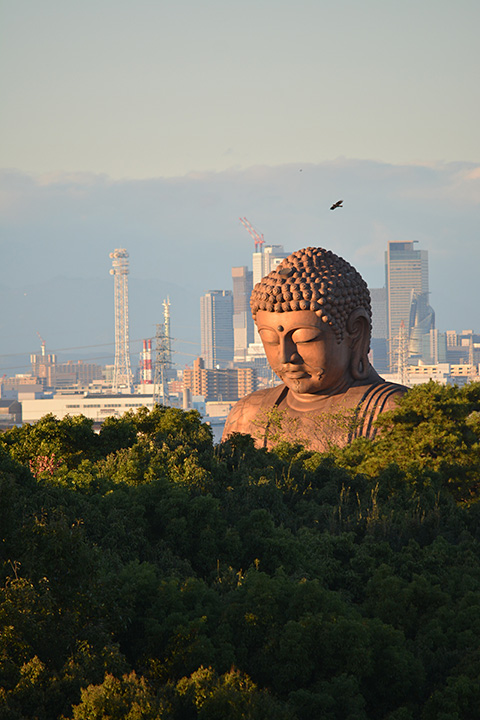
(358, 329)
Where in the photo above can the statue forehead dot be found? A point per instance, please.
(280, 328)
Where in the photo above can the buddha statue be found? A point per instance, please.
(313, 316)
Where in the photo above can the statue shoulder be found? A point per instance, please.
(242, 415)
(392, 394)
(377, 399)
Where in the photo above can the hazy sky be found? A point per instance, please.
(149, 88)
(154, 124)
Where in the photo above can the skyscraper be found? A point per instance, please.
(216, 318)
(406, 274)
(266, 259)
(242, 279)
(263, 262)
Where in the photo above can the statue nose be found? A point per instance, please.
(289, 352)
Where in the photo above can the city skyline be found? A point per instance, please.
(254, 256)
(224, 312)
(225, 370)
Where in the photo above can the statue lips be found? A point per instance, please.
(295, 375)
(292, 372)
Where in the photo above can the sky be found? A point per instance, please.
(154, 125)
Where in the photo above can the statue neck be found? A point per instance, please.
(311, 401)
(308, 402)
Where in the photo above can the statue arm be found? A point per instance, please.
(242, 416)
(236, 420)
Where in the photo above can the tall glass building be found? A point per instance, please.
(406, 279)
(216, 321)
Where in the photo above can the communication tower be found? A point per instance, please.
(402, 353)
(122, 373)
(163, 357)
(160, 382)
(166, 324)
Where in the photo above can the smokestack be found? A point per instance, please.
(146, 363)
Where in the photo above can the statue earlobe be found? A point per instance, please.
(358, 328)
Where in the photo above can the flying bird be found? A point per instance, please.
(339, 203)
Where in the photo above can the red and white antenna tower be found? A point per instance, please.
(257, 237)
(146, 363)
(122, 373)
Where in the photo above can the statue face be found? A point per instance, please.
(303, 351)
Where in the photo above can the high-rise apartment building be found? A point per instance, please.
(242, 279)
(267, 259)
(263, 262)
(218, 385)
(216, 319)
(406, 275)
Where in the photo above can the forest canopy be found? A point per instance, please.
(147, 573)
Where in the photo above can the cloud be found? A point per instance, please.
(473, 174)
(78, 179)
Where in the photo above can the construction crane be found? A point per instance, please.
(257, 237)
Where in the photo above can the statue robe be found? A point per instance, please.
(268, 418)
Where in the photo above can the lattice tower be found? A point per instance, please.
(402, 353)
(122, 373)
(163, 357)
(160, 382)
(166, 325)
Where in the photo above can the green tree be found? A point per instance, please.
(232, 696)
(128, 698)
(434, 433)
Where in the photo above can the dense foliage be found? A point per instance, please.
(148, 574)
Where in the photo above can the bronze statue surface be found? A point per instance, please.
(313, 315)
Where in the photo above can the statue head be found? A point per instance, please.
(313, 314)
